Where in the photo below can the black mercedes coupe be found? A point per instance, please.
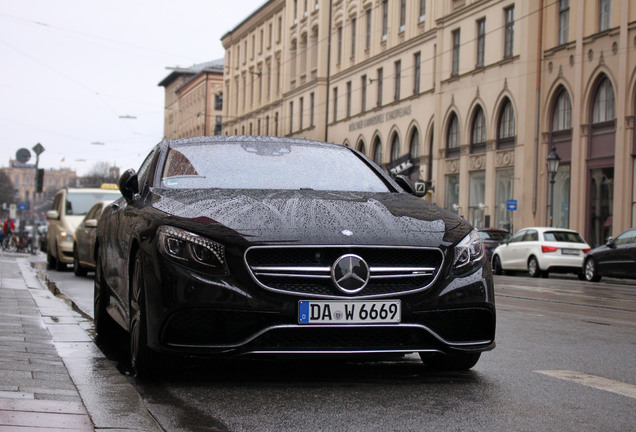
(237, 246)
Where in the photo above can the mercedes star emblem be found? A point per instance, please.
(350, 273)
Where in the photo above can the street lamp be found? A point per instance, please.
(553, 166)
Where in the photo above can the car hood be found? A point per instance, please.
(313, 217)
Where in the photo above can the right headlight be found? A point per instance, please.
(468, 253)
(192, 250)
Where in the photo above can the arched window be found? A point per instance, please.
(395, 147)
(377, 151)
(361, 148)
(506, 129)
(603, 109)
(452, 136)
(478, 132)
(414, 145)
(562, 114)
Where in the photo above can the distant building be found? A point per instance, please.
(194, 100)
(475, 92)
(23, 179)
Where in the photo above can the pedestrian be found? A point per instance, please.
(8, 227)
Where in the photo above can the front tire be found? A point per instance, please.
(533, 268)
(496, 265)
(142, 359)
(450, 362)
(104, 324)
(77, 267)
(590, 270)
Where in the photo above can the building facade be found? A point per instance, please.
(193, 100)
(476, 93)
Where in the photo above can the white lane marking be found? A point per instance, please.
(594, 381)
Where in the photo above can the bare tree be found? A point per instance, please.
(101, 172)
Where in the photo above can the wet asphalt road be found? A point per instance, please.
(565, 361)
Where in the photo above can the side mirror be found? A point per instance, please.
(52, 215)
(129, 184)
(609, 241)
(91, 223)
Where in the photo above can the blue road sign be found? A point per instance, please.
(511, 205)
(23, 205)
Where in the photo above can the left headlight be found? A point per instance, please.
(192, 250)
(468, 252)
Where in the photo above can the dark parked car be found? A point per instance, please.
(492, 238)
(230, 246)
(617, 258)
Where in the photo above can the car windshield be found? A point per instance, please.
(268, 165)
(494, 235)
(563, 236)
(79, 203)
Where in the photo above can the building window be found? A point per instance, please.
(302, 107)
(455, 66)
(339, 47)
(451, 203)
(481, 42)
(385, 19)
(417, 72)
(604, 109)
(477, 198)
(380, 79)
(506, 129)
(402, 15)
(354, 23)
(377, 151)
(422, 10)
(311, 108)
(414, 146)
(562, 114)
(361, 148)
(503, 192)
(348, 99)
(280, 29)
(395, 147)
(604, 14)
(218, 125)
(218, 102)
(452, 136)
(398, 80)
(367, 42)
(510, 31)
(363, 94)
(564, 21)
(335, 104)
(478, 133)
(291, 117)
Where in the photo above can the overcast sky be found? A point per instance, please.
(70, 68)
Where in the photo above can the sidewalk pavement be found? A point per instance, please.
(52, 376)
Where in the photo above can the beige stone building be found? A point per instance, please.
(193, 100)
(477, 92)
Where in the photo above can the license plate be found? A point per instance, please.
(349, 312)
(569, 251)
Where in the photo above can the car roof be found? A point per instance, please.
(543, 229)
(220, 139)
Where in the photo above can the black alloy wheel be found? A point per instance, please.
(142, 359)
(590, 270)
(104, 324)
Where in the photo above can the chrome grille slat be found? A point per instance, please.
(306, 270)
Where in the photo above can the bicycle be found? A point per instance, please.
(17, 243)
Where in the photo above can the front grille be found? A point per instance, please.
(307, 271)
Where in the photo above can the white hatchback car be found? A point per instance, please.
(540, 251)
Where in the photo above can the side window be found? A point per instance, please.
(93, 213)
(531, 235)
(518, 237)
(145, 171)
(56, 203)
(625, 238)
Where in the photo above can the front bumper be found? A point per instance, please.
(189, 313)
